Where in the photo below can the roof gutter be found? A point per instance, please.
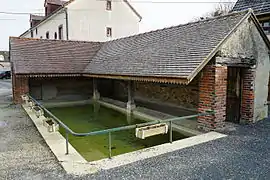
(171, 80)
(67, 26)
(213, 53)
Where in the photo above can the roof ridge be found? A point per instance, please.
(56, 40)
(182, 25)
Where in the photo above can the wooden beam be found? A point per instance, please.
(171, 80)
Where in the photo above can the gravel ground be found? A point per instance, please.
(244, 154)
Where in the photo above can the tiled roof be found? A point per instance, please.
(170, 52)
(259, 6)
(36, 56)
(36, 17)
(175, 52)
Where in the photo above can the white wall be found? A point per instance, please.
(50, 25)
(88, 20)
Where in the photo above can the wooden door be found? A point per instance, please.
(234, 89)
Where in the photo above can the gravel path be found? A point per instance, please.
(244, 154)
(23, 153)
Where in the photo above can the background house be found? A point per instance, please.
(261, 9)
(87, 20)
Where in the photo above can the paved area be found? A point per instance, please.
(244, 154)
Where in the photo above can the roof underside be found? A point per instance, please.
(259, 6)
(170, 52)
(33, 56)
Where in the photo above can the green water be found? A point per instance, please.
(81, 119)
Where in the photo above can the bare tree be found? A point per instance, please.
(220, 9)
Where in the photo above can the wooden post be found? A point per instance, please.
(96, 97)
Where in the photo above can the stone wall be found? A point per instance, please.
(65, 88)
(180, 95)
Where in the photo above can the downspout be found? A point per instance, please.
(67, 35)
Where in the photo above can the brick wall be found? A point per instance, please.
(20, 86)
(212, 96)
(247, 103)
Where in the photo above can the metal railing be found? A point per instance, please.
(110, 131)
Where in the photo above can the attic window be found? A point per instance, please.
(108, 5)
(109, 32)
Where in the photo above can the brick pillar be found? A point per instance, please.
(247, 102)
(212, 96)
(20, 86)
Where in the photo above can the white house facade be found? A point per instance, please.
(85, 20)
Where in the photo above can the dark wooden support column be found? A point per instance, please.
(131, 103)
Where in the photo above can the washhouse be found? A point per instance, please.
(219, 65)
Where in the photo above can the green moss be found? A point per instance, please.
(81, 119)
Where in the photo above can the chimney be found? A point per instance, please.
(52, 5)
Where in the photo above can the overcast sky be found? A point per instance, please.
(155, 15)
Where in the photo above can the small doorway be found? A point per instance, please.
(234, 90)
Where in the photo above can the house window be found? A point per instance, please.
(55, 35)
(40, 37)
(47, 35)
(32, 34)
(36, 31)
(109, 5)
(109, 32)
(60, 32)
